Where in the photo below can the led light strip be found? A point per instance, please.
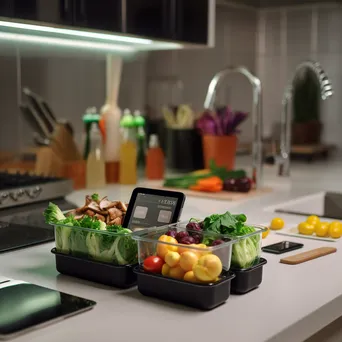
(77, 33)
(65, 42)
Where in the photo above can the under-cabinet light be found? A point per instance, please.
(65, 42)
(76, 33)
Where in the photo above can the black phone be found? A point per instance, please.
(282, 247)
(152, 208)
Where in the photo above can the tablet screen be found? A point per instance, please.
(151, 210)
(24, 306)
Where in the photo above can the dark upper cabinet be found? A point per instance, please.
(98, 14)
(192, 21)
(177, 20)
(180, 20)
(51, 11)
(150, 18)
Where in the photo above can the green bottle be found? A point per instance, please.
(88, 118)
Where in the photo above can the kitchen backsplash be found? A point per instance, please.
(270, 43)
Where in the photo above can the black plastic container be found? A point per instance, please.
(247, 279)
(184, 150)
(205, 297)
(99, 272)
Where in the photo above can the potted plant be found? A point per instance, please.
(219, 136)
(306, 125)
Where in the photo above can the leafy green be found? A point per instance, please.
(116, 246)
(95, 197)
(246, 250)
(53, 214)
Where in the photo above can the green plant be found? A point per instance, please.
(306, 98)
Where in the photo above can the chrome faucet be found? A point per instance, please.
(256, 114)
(285, 133)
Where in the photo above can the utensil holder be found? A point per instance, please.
(184, 150)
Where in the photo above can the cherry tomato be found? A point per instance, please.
(153, 264)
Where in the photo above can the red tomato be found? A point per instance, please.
(153, 264)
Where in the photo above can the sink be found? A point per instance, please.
(322, 204)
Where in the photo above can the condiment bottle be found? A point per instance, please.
(155, 163)
(88, 118)
(139, 124)
(96, 171)
(128, 158)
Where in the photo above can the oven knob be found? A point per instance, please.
(33, 193)
(3, 196)
(17, 195)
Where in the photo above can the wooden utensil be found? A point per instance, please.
(306, 256)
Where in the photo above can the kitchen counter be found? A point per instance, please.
(293, 302)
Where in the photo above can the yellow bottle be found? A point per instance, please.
(128, 159)
(96, 171)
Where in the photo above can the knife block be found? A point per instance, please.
(64, 145)
(49, 163)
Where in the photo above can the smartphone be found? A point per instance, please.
(153, 208)
(282, 247)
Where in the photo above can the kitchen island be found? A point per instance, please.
(292, 303)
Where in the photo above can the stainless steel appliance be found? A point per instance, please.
(23, 198)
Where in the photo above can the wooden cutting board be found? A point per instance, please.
(309, 255)
(223, 195)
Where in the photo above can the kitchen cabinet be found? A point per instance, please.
(151, 18)
(56, 12)
(192, 21)
(100, 14)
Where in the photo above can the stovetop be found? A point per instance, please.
(20, 189)
(25, 226)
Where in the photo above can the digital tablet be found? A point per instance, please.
(153, 208)
(25, 307)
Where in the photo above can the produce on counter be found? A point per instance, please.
(192, 179)
(110, 212)
(277, 223)
(265, 233)
(89, 236)
(313, 225)
(210, 184)
(243, 184)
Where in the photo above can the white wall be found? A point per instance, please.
(288, 36)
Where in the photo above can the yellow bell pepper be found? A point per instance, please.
(163, 249)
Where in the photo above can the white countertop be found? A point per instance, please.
(292, 303)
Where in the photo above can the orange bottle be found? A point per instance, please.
(155, 163)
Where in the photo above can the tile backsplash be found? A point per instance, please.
(270, 43)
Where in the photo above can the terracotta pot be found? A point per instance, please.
(306, 133)
(221, 149)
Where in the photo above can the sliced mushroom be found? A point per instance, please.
(122, 206)
(88, 200)
(100, 217)
(116, 221)
(95, 207)
(90, 213)
(71, 213)
(79, 217)
(104, 203)
(114, 213)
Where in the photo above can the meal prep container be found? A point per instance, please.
(99, 272)
(247, 279)
(251, 243)
(204, 297)
(199, 295)
(92, 255)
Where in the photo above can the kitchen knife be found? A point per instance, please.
(35, 122)
(46, 110)
(49, 122)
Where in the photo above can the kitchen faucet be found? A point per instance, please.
(285, 133)
(256, 114)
